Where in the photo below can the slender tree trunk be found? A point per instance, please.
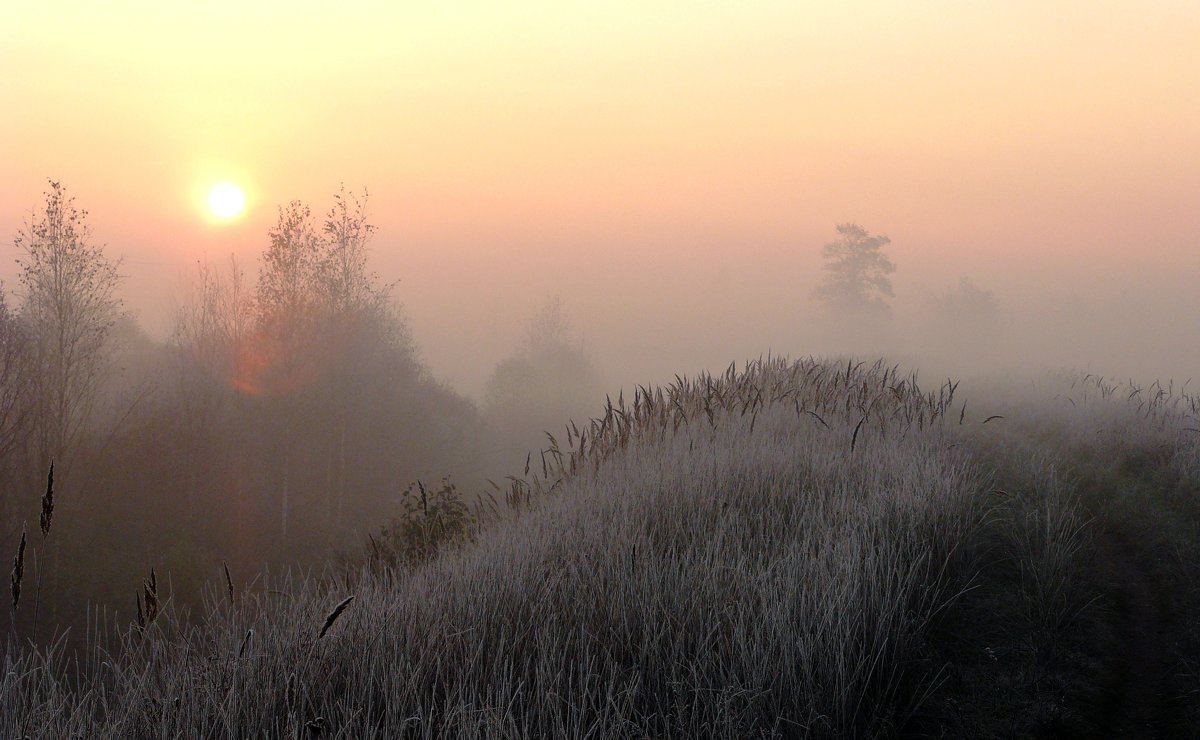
(283, 514)
(329, 475)
(341, 493)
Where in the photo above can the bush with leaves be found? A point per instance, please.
(430, 520)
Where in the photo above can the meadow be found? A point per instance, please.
(801, 548)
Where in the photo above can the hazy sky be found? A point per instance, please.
(670, 168)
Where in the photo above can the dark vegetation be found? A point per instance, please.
(250, 531)
(280, 424)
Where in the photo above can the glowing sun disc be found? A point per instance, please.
(226, 200)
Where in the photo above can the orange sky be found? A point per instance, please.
(516, 149)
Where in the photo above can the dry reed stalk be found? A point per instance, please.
(47, 515)
(333, 615)
(149, 597)
(854, 438)
(18, 571)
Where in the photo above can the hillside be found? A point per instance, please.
(800, 548)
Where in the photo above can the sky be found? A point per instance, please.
(670, 169)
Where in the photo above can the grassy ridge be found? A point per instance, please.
(795, 549)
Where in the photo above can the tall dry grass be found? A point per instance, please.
(750, 554)
(759, 553)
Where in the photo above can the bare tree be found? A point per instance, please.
(549, 327)
(856, 273)
(214, 319)
(968, 304)
(69, 308)
(212, 326)
(965, 318)
(546, 382)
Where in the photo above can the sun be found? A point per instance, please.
(226, 200)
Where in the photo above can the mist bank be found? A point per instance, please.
(297, 400)
(646, 325)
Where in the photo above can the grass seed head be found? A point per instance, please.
(18, 571)
(47, 516)
(333, 615)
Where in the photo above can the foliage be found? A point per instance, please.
(430, 520)
(69, 308)
(544, 383)
(549, 327)
(966, 308)
(796, 549)
(347, 282)
(287, 282)
(857, 273)
(306, 375)
(307, 273)
(194, 442)
(692, 579)
(961, 326)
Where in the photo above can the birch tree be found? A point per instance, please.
(68, 308)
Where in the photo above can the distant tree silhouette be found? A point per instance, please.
(966, 317)
(549, 327)
(856, 280)
(212, 325)
(969, 304)
(215, 317)
(314, 287)
(544, 383)
(328, 373)
(191, 471)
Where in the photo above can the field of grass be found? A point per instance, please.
(794, 549)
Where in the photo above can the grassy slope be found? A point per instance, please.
(1077, 626)
(796, 549)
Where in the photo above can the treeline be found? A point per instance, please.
(279, 424)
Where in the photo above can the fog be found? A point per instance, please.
(648, 305)
(682, 309)
(564, 204)
(671, 173)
